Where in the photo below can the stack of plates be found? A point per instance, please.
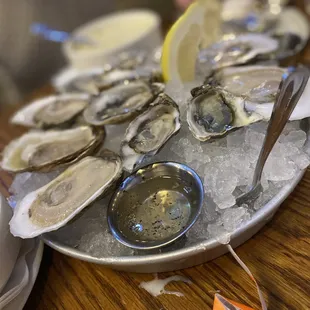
(19, 263)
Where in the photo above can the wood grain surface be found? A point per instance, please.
(278, 256)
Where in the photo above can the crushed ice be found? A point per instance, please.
(225, 165)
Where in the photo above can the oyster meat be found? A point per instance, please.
(301, 111)
(53, 205)
(255, 83)
(147, 133)
(237, 50)
(52, 111)
(212, 112)
(44, 150)
(121, 102)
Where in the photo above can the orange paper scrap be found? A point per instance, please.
(222, 303)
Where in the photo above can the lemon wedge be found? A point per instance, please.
(197, 28)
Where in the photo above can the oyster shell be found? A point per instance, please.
(255, 83)
(93, 81)
(45, 150)
(121, 102)
(147, 133)
(130, 60)
(237, 50)
(212, 112)
(301, 111)
(258, 85)
(55, 204)
(51, 111)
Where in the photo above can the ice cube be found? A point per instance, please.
(302, 160)
(264, 198)
(239, 160)
(260, 127)
(234, 217)
(291, 126)
(264, 181)
(218, 232)
(224, 202)
(254, 139)
(181, 94)
(114, 136)
(285, 149)
(279, 169)
(199, 231)
(297, 137)
(27, 182)
(236, 139)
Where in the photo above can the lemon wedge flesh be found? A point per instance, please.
(197, 28)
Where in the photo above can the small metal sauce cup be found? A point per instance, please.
(148, 182)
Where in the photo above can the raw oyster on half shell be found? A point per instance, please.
(53, 205)
(147, 133)
(255, 83)
(121, 102)
(51, 111)
(212, 112)
(258, 86)
(45, 150)
(95, 80)
(237, 50)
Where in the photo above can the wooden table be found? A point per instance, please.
(278, 255)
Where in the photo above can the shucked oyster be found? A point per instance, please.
(264, 109)
(147, 133)
(53, 205)
(121, 102)
(52, 111)
(237, 50)
(95, 80)
(258, 86)
(45, 150)
(255, 83)
(213, 111)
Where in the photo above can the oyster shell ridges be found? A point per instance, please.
(26, 115)
(56, 203)
(18, 154)
(121, 103)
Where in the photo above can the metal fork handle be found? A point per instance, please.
(57, 35)
(290, 91)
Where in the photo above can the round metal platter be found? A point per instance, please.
(187, 256)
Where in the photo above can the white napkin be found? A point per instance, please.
(20, 274)
(33, 259)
